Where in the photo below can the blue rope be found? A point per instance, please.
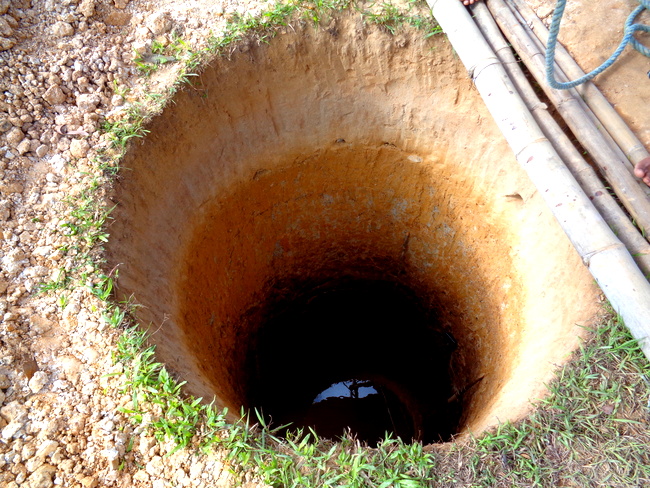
(628, 38)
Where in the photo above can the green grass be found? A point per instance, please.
(591, 431)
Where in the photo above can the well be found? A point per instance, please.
(338, 205)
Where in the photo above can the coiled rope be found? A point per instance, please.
(628, 38)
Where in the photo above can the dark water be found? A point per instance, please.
(366, 409)
(360, 355)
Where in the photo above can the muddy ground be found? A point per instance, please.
(65, 68)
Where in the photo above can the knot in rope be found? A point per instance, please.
(628, 38)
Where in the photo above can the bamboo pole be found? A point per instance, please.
(589, 97)
(606, 257)
(613, 122)
(581, 170)
(567, 103)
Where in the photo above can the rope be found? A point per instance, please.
(628, 38)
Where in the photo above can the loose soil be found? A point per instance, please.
(65, 67)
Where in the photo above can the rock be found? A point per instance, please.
(14, 137)
(39, 324)
(155, 467)
(42, 150)
(24, 147)
(121, 4)
(70, 312)
(87, 102)
(86, 8)
(88, 482)
(47, 448)
(38, 381)
(5, 382)
(4, 6)
(2, 397)
(71, 366)
(5, 28)
(62, 29)
(42, 477)
(66, 466)
(90, 354)
(5, 214)
(11, 429)
(107, 425)
(159, 23)
(79, 148)
(11, 187)
(54, 95)
(5, 125)
(141, 476)
(12, 262)
(34, 463)
(113, 458)
(6, 43)
(14, 412)
(145, 444)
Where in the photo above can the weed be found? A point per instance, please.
(130, 126)
(391, 17)
(119, 89)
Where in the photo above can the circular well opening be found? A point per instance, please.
(343, 239)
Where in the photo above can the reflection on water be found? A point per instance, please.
(369, 409)
(347, 389)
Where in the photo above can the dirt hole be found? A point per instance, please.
(330, 228)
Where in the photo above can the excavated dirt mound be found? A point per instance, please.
(337, 204)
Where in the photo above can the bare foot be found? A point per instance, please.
(468, 2)
(642, 170)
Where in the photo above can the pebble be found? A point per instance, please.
(33, 463)
(6, 43)
(11, 429)
(89, 481)
(54, 95)
(5, 28)
(24, 147)
(159, 23)
(42, 477)
(12, 261)
(62, 29)
(87, 102)
(79, 148)
(14, 412)
(14, 136)
(5, 125)
(46, 448)
(38, 381)
(5, 214)
(117, 100)
(42, 150)
(71, 367)
(86, 8)
(112, 457)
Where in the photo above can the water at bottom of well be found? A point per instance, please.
(367, 409)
